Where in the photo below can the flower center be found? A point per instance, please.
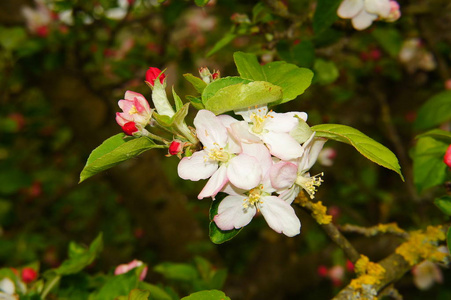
(133, 110)
(254, 197)
(218, 154)
(309, 184)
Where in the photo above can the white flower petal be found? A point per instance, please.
(240, 131)
(290, 194)
(196, 167)
(227, 120)
(280, 122)
(230, 189)
(363, 20)
(283, 175)
(280, 216)
(210, 131)
(244, 171)
(378, 7)
(232, 214)
(282, 145)
(259, 152)
(350, 8)
(248, 112)
(215, 183)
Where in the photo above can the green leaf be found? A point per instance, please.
(221, 83)
(179, 272)
(240, 96)
(207, 295)
(390, 39)
(435, 111)
(326, 72)
(444, 203)
(437, 134)
(292, 79)
(12, 38)
(325, 14)
(196, 102)
(302, 54)
(301, 132)
(156, 293)
(428, 167)
(120, 285)
(201, 3)
(448, 239)
(368, 147)
(217, 235)
(113, 151)
(230, 36)
(80, 257)
(138, 295)
(177, 100)
(197, 82)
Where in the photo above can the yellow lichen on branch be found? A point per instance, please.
(369, 274)
(423, 245)
(319, 211)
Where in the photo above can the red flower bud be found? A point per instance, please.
(129, 128)
(42, 31)
(349, 266)
(323, 271)
(28, 275)
(175, 147)
(447, 157)
(152, 74)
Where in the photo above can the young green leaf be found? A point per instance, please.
(325, 14)
(230, 36)
(428, 167)
(207, 295)
(368, 147)
(177, 100)
(138, 295)
(219, 84)
(437, 134)
(80, 257)
(113, 151)
(197, 83)
(120, 285)
(241, 96)
(217, 235)
(444, 203)
(326, 72)
(176, 271)
(196, 102)
(156, 292)
(292, 79)
(435, 111)
(201, 3)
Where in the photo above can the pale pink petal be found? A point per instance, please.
(259, 152)
(290, 194)
(210, 130)
(132, 96)
(196, 167)
(240, 131)
(232, 214)
(120, 119)
(215, 183)
(378, 7)
(363, 20)
(350, 8)
(227, 120)
(280, 216)
(283, 175)
(244, 171)
(230, 189)
(282, 145)
(280, 122)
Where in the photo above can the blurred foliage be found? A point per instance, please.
(61, 78)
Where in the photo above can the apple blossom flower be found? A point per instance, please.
(222, 159)
(364, 12)
(7, 289)
(236, 211)
(297, 171)
(273, 129)
(425, 274)
(124, 268)
(326, 157)
(415, 56)
(38, 19)
(447, 157)
(395, 13)
(136, 113)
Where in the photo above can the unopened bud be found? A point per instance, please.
(205, 74)
(152, 74)
(323, 271)
(447, 157)
(216, 75)
(129, 128)
(175, 147)
(28, 275)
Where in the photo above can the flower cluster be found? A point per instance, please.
(257, 162)
(364, 12)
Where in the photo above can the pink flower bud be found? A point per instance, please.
(395, 13)
(152, 74)
(215, 75)
(175, 147)
(28, 275)
(447, 157)
(124, 268)
(349, 266)
(129, 128)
